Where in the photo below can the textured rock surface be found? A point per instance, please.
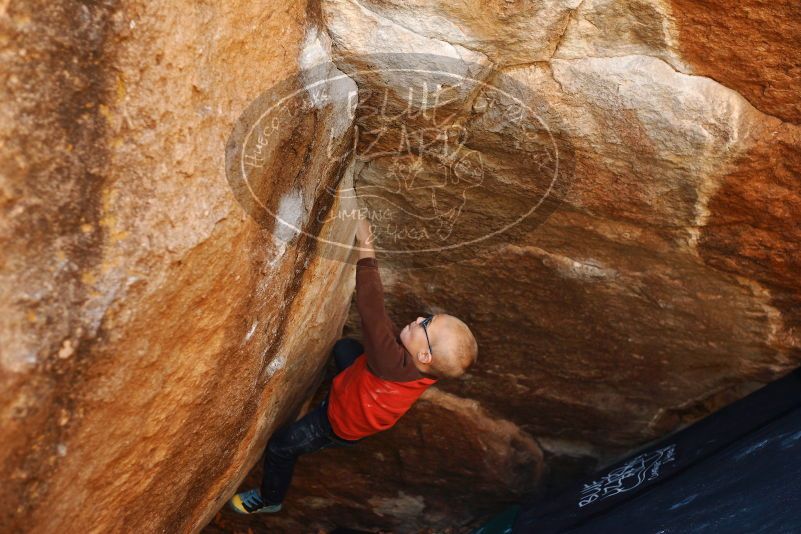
(662, 287)
(752, 49)
(153, 333)
(403, 480)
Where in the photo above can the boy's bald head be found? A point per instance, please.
(453, 347)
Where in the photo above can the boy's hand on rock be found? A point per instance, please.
(364, 239)
(363, 232)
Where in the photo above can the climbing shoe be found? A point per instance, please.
(250, 502)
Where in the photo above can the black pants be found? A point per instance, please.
(310, 433)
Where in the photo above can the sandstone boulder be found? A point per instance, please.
(154, 332)
(605, 190)
(660, 288)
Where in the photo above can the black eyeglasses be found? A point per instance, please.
(424, 323)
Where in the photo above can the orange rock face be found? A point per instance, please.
(658, 290)
(751, 47)
(608, 194)
(153, 333)
(753, 230)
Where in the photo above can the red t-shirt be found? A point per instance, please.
(362, 404)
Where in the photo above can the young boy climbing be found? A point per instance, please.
(375, 385)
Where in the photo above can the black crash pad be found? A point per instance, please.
(737, 470)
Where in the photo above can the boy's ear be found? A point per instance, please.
(424, 357)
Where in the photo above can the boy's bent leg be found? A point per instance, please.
(345, 352)
(306, 435)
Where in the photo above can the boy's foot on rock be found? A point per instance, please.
(250, 502)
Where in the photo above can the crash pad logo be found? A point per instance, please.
(443, 156)
(630, 476)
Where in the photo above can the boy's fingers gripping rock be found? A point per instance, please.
(364, 232)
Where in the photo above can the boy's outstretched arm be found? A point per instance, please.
(386, 357)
